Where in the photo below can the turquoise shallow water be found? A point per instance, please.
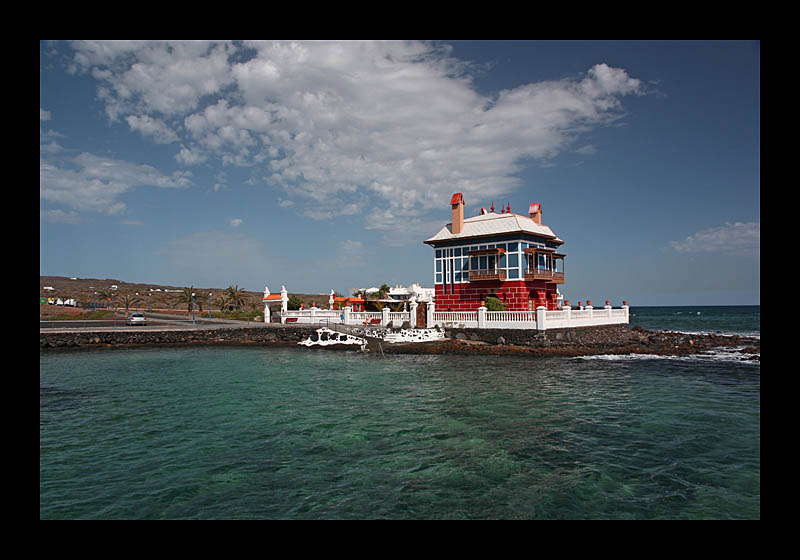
(241, 433)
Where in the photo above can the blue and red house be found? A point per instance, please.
(509, 256)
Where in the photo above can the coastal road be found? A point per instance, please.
(155, 322)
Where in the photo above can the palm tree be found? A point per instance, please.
(126, 300)
(222, 301)
(185, 296)
(107, 296)
(236, 296)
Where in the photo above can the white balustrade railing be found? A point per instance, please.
(398, 316)
(454, 316)
(510, 316)
(316, 316)
(541, 319)
(358, 317)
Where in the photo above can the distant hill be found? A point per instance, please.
(83, 290)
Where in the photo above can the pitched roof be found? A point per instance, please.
(493, 223)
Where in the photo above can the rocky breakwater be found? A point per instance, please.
(276, 336)
(583, 341)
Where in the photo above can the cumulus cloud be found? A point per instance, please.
(730, 238)
(155, 128)
(396, 126)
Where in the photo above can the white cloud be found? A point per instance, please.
(167, 78)
(736, 237)
(156, 128)
(190, 157)
(93, 183)
(60, 216)
(236, 222)
(44, 115)
(390, 126)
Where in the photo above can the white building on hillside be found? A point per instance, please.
(404, 294)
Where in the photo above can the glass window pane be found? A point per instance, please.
(512, 247)
(483, 265)
(513, 273)
(438, 266)
(513, 260)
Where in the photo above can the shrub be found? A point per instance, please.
(294, 302)
(494, 304)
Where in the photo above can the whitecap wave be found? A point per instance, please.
(733, 354)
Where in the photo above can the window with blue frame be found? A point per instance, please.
(452, 264)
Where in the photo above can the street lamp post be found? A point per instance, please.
(209, 305)
(149, 307)
(192, 307)
(137, 301)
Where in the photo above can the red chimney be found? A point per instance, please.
(457, 203)
(535, 212)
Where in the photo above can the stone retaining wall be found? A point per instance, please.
(576, 341)
(273, 335)
(600, 336)
(608, 335)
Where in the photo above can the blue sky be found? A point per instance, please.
(324, 165)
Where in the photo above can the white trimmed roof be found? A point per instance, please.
(493, 223)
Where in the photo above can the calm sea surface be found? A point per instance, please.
(241, 433)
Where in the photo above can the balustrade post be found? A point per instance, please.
(481, 317)
(568, 313)
(347, 311)
(541, 323)
(431, 308)
(385, 317)
(412, 314)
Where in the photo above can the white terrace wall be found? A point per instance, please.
(346, 316)
(541, 319)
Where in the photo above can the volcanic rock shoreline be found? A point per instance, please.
(573, 342)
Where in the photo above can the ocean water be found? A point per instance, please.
(743, 320)
(267, 433)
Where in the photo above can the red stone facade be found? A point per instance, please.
(517, 295)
